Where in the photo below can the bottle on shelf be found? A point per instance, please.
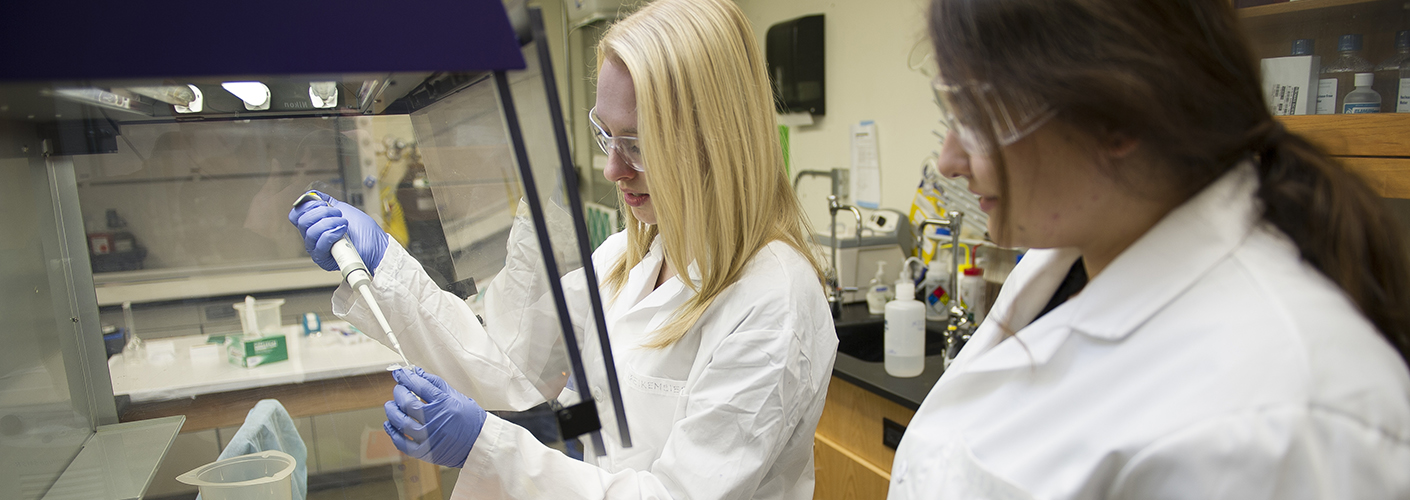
(1362, 99)
(1403, 102)
(904, 337)
(878, 292)
(1303, 46)
(1388, 73)
(1339, 75)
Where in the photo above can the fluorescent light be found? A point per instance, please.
(255, 94)
(323, 94)
(196, 104)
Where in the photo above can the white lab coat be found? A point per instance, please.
(726, 412)
(1206, 362)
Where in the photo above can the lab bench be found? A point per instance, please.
(189, 366)
(867, 410)
(332, 388)
(335, 391)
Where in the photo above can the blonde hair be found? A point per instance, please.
(710, 142)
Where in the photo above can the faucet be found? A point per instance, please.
(839, 178)
(834, 285)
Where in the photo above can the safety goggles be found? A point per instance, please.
(624, 144)
(1012, 117)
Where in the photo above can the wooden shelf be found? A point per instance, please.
(1390, 177)
(1375, 146)
(1272, 28)
(1318, 7)
(228, 409)
(1382, 134)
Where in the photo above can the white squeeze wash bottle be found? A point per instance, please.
(904, 340)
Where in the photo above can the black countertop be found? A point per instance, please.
(871, 375)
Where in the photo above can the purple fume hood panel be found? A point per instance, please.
(87, 39)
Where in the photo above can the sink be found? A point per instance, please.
(860, 334)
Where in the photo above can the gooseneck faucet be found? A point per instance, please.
(952, 223)
(835, 288)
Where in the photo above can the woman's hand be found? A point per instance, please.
(324, 223)
(430, 421)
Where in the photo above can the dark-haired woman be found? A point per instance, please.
(1213, 308)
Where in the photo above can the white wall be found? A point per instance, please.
(867, 78)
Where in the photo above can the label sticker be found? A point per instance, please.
(1326, 96)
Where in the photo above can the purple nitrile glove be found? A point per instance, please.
(430, 421)
(323, 224)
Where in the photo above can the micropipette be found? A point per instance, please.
(356, 274)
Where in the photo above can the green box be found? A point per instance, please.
(251, 352)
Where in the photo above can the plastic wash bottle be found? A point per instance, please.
(904, 339)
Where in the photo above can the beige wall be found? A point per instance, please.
(867, 44)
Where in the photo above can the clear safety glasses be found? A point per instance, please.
(624, 144)
(1012, 117)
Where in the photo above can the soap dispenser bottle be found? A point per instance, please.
(904, 337)
(878, 292)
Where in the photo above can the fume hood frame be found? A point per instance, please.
(80, 41)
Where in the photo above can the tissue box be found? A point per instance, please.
(1290, 84)
(252, 352)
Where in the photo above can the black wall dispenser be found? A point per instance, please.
(795, 56)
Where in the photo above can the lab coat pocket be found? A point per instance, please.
(953, 472)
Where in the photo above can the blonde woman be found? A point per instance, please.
(720, 328)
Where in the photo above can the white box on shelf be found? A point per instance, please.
(1290, 84)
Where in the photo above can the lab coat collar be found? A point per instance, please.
(664, 299)
(1152, 272)
(657, 255)
(1170, 258)
(642, 276)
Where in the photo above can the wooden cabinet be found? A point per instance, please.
(849, 455)
(1377, 146)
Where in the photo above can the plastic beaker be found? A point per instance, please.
(262, 475)
(267, 316)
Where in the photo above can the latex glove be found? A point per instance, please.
(323, 224)
(430, 421)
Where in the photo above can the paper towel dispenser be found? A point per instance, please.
(795, 57)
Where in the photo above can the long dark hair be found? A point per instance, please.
(1178, 76)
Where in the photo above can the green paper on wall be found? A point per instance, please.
(783, 141)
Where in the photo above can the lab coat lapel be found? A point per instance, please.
(641, 278)
(654, 306)
(1156, 269)
(671, 296)
(1020, 300)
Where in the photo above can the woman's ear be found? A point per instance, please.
(1118, 146)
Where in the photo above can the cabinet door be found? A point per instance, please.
(843, 475)
(849, 453)
(853, 420)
